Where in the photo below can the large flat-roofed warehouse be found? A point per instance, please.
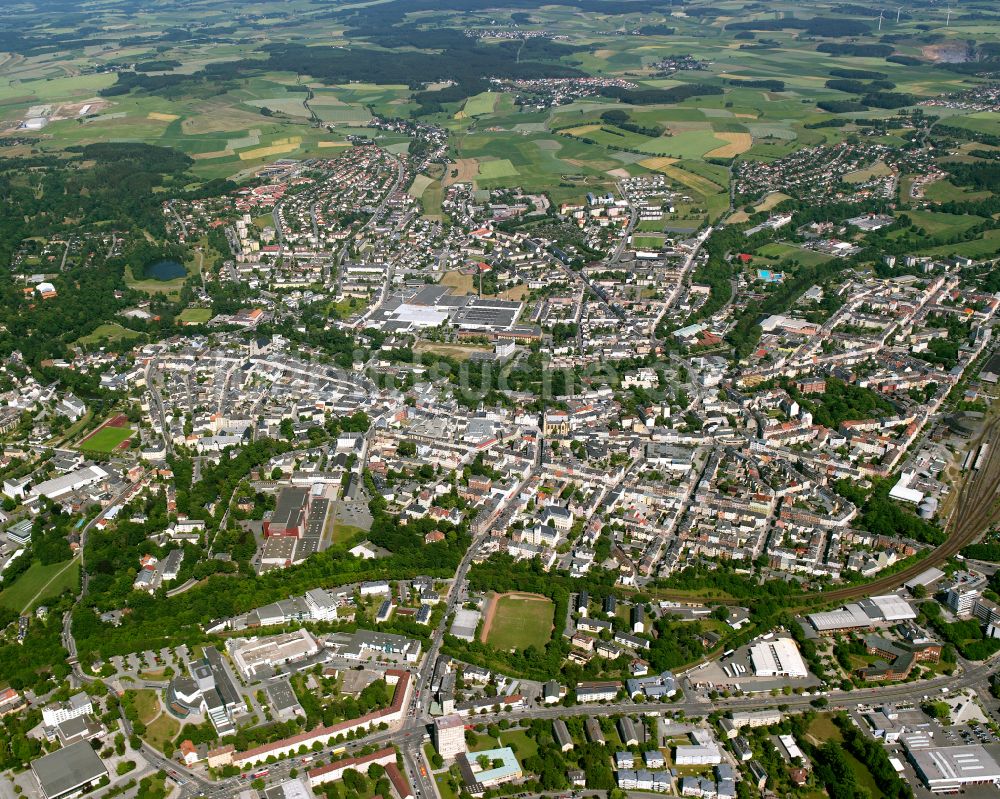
(777, 658)
(867, 613)
(431, 306)
(487, 315)
(949, 769)
(278, 552)
(68, 771)
(64, 484)
(291, 513)
(408, 317)
(891, 607)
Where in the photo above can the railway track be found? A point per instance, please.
(976, 510)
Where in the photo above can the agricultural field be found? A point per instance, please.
(985, 247)
(500, 168)
(480, 105)
(232, 127)
(420, 185)
(517, 621)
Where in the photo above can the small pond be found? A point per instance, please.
(166, 270)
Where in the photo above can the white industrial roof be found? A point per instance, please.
(952, 766)
(932, 575)
(419, 315)
(906, 494)
(893, 607)
(777, 658)
(845, 618)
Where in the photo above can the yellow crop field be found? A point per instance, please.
(334, 144)
(278, 148)
(737, 143)
(156, 115)
(582, 130)
(657, 163)
(697, 182)
(210, 155)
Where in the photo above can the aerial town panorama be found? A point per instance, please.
(448, 399)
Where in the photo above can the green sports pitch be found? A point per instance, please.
(106, 440)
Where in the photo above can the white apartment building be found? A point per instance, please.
(77, 705)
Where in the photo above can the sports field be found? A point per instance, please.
(517, 621)
(195, 316)
(648, 242)
(109, 437)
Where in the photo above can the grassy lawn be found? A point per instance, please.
(153, 786)
(346, 308)
(444, 786)
(66, 574)
(942, 191)
(107, 439)
(823, 729)
(518, 739)
(108, 332)
(521, 621)
(935, 223)
(484, 742)
(345, 533)
(429, 753)
(195, 316)
(785, 253)
(147, 704)
(164, 729)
